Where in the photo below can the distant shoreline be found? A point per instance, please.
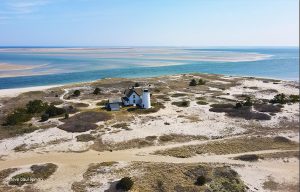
(12, 92)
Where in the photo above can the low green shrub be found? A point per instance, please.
(20, 148)
(108, 163)
(248, 102)
(248, 157)
(17, 117)
(102, 103)
(239, 111)
(22, 178)
(39, 172)
(201, 180)
(120, 125)
(84, 121)
(181, 103)
(85, 137)
(270, 108)
(97, 91)
(279, 98)
(76, 93)
(178, 95)
(281, 139)
(166, 138)
(201, 82)
(43, 171)
(238, 105)
(36, 106)
(193, 82)
(53, 111)
(294, 98)
(125, 183)
(151, 138)
(44, 117)
(202, 103)
(136, 84)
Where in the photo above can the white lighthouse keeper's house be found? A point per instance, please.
(137, 96)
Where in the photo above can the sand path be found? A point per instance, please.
(72, 165)
(129, 155)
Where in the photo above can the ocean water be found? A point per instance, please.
(26, 67)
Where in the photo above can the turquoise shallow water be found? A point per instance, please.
(67, 65)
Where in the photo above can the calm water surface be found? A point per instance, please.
(67, 65)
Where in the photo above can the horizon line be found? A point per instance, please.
(141, 46)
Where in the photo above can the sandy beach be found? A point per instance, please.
(16, 91)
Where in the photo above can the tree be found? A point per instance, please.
(54, 111)
(36, 106)
(193, 82)
(76, 93)
(17, 117)
(201, 82)
(125, 184)
(279, 98)
(201, 180)
(248, 102)
(238, 105)
(136, 84)
(66, 115)
(44, 117)
(96, 91)
(294, 98)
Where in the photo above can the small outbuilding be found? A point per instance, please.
(114, 104)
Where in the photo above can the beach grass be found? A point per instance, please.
(229, 146)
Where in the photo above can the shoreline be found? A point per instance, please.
(12, 92)
(234, 75)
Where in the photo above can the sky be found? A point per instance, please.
(196, 23)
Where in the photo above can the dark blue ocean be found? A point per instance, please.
(68, 65)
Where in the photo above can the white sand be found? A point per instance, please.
(40, 140)
(287, 88)
(16, 91)
(255, 174)
(209, 124)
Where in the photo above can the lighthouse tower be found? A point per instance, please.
(146, 102)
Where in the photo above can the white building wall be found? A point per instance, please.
(134, 99)
(146, 101)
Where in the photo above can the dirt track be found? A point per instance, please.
(72, 165)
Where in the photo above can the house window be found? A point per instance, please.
(133, 96)
(133, 101)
